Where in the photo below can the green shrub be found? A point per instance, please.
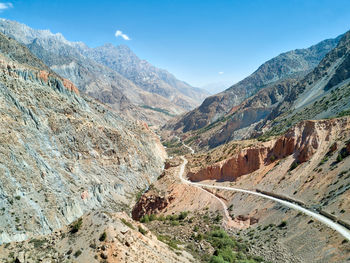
(103, 237)
(127, 223)
(169, 241)
(37, 242)
(294, 165)
(282, 224)
(152, 217)
(161, 218)
(142, 231)
(175, 223)
(183, 215)
(342, 154)
(218, 218)
(217, 259)
(324, 160)
(144, 219)
(77, 253)
(76, 225)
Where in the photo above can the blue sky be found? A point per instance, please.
(201, 42)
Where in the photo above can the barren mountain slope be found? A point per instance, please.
(95, 237)
(146, 76)
(290, 65)
(322, 93)
(63, 154)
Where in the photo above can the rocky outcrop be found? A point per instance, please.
(245, 162)
(149, 204)
(301, 141)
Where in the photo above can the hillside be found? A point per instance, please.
(292, 65)
(63, 153)
(322, 93)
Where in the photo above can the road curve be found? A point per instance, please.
(335, 226)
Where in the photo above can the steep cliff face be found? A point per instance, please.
(290, 65)
(301, 141)
(63, 154)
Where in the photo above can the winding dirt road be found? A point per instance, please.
(328, 222)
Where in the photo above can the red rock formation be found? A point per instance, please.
(44, 75)
(303, 140)
(70, 86)
(149, 204)
(247, 161)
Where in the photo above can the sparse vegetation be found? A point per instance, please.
(227, 249)
(37, 242)
(169, 241)
(282, 224)
(103, 237)
(127, 223)
(294, 165)
(166, 112)
(77, 253)
(142, 231)
(76, 225)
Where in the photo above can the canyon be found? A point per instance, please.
(104, 159)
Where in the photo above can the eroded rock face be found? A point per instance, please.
(302, 141)
(245, 162)
(149, 204)
(62, 154)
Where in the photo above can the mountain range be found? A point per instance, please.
(243, 110)
(257, 173)
(113, 75)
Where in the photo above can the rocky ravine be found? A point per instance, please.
(63, 154)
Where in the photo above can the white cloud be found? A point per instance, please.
(4, 6)
(221, 72)
(119, 33)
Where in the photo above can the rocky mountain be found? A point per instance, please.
(146, 76)
(286, 66)
(323, 93)
(62, 153)
(145, 92)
